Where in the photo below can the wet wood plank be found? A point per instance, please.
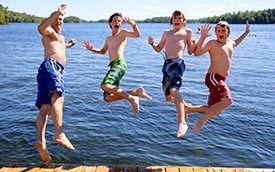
(81, 168)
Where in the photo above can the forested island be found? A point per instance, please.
(255, 17)
(7, 16)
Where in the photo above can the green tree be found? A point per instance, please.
(3, 18)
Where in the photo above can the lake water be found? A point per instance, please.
(109, 133)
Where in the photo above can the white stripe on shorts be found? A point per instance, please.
(213, 79)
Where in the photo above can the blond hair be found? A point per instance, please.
(223, 24)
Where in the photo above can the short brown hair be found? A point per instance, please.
(223, 24)
(112, 16)
(177, 13)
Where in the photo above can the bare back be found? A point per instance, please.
(55, 48)
(221, 57)
(175, 43)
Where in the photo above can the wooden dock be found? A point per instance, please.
(80, 168)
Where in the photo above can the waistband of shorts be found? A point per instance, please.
(50, 59)
(173, 59)
(216, 76)
(117, 59)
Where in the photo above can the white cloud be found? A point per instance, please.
(152, 9)
(196, 6)
(243, 6)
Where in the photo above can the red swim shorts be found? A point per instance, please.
(217, 88)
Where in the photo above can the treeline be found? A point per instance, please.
(3, 13)
(7, 16)
(254, 17)
(156, 20)
(74, 19)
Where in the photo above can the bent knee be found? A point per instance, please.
(106, 99)
(103, 86)
(227, 101)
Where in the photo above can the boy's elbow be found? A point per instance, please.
(137, 35)
(102, 52)
(157, 48)
(40, 30)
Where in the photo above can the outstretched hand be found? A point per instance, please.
(129, 21)
(62, 8)
(205, 29)
(247, 27)
(150, 40)
(87, 45)
(72, 42)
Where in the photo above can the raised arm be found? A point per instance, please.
(161, 43)
(190, 42)
(44, 27)
(90, 47)
(241, 38)
(200, 48)
(135, 32)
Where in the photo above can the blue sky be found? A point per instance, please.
(139, 9)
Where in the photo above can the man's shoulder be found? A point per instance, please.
(188, 30)
(167, 31)
(213, 41)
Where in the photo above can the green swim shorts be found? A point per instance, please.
(118, 68)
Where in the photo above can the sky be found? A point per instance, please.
(138, 10)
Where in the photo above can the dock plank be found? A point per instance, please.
(87, 168)
(102, 169)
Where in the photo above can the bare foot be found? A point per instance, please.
(64, 141)
(197, 127)
(43, 153)
(142, 93)
(182, 130)
(134, 100)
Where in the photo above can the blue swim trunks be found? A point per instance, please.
(49, 79)
(173, 70)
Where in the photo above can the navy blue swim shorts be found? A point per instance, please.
(173, 70)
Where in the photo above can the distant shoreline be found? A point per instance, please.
(138, 22)
(254, 17)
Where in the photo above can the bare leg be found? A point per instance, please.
(57, 114)
(40, 144)
(170, 98)
(118, 94)
(182, 126)
(189, 108)
(211, 112)
(43, 152)
(141, 93)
